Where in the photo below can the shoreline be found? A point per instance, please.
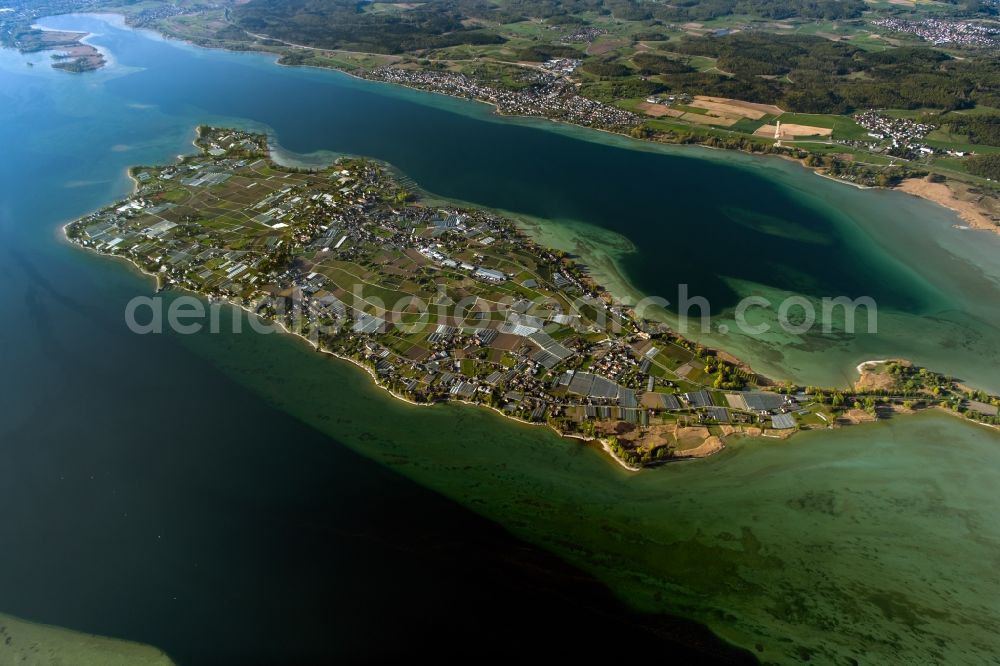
(973, 214)
(71, 52)
(604, 443)
(139, 270)
(362, 366)
(864, 364)
(275, 59)
(711, 444)
(970, 212)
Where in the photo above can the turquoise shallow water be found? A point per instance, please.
(875, 543)
(818, 546)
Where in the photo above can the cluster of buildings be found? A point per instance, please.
(683, 98)
(479, 272)
(942, 31)
(357, 232)
(618, 363)
(585, 34)
(311, 249)
(548, 96)
(905, 136)
(148, 16)
(166, 235)
(20, 17)
(562, 66)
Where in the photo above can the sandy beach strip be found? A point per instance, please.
(970, 212)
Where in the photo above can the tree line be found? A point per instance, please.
(811, 75)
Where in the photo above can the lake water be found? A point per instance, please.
(199, 492)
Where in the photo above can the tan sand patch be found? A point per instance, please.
(727, 110)
(711, 445)
(770, 109)
(703, 119)
(856, 416)
(874, 376)
(658, 110)
(690, 437)
(971, 208)
(791, 131)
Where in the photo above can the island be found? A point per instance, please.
(443, 303)
(71, 54)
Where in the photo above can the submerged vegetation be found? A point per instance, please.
(344, 257)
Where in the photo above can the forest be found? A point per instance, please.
(983, 128)
(343, 24)
(987, 166)
(351, 25)
(800, 73)
(815, 75)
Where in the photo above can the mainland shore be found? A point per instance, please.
(970, 207)
(976, 209)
